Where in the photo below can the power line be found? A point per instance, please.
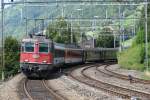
(110, 2)
(84, 19)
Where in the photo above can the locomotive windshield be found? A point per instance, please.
(43, 47)
(29, 47)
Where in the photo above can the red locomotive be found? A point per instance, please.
(40, 55)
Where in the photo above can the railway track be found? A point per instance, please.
(124, 77)
(94, 83)
(107, 87)
(39, 90)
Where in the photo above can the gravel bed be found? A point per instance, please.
(75, 90)
(9, 90)
(116, 81)
(110, 97)
(116, 68)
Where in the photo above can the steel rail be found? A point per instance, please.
(118, 89)
(98, 87)
(49, 90)
(53, 93)
(26, 91)
(125, 77)
(138, 93)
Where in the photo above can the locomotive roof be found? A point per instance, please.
(36, 38)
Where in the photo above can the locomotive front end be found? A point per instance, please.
(36, 59)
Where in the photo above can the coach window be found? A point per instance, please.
(29, 47)
(43, 47)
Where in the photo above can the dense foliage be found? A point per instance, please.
(60, 32)
(140, 38)
(11, 56)
(134, 57)
(106, 39)
(16, 25)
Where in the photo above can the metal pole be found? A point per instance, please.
(123, 29)
(26, 19)
(21, 16)
(93, 41)
(79, 23)
(93, 28)
(146, 36)
(62, 10)
(71, 30)
(134, 27)
(120, 27)
(3, 44)
(42, 26)
(106, 14)
(114, 40)
(26, 26)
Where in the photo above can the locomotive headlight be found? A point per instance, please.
(44, 61)
(26, 60)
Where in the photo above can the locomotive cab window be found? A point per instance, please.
(43, 47)
(29, 47)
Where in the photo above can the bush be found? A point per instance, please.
(105, 41)
(11, 56)
(60, 32)
(132, 58)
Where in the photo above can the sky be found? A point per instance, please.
(5, 1)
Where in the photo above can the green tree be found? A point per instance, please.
(141, 33)
(105, 39)
(60, 31)
(134, 57)
(11, 56)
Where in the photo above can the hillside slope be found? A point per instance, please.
(15, 24)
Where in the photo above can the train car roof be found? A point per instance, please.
(100, 49)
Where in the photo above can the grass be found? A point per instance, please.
(133, 59)
(146, 75)
(128, 43)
